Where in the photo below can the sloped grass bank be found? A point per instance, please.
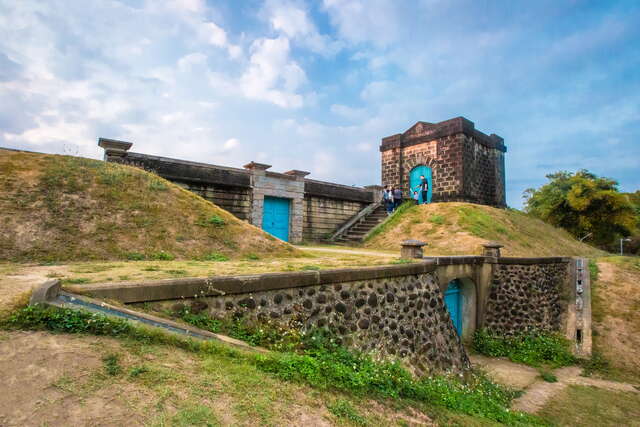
(319, 361)
(461, 228)
(63, 208)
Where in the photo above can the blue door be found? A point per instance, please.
(275, 217)
(414, 181)
(453, 301)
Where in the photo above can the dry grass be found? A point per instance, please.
(589, 406)
(462, 228)
(20, 278)
(61, 208)
(616, 316)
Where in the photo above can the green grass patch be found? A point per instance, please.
(343, 409)
(76, 281)
(548, 377)
(320, 362)
(533, 348)
(251, 257)
(481, 224)
(436, 219)
(112, 364)
(310, 268)
(215, 256)
(392, 220)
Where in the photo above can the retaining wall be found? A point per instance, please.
(392, 311)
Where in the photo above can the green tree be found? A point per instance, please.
(583, 204)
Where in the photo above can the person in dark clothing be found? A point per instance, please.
(397, 198)
(424, 188)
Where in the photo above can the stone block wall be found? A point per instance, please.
(283, 186)
(466, 164)
(528, 296)
(322, 215)
(402, 317)
(236, 200)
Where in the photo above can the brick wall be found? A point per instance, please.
(466, 164)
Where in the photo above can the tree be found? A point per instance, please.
(583, 204)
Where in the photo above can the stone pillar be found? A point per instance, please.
(288, 185)
(376, 190)
(257, 198)
(114, 150)
(492, 249)
(412, 249)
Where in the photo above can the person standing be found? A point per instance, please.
(397, 198)
(424, 188)
(416, 198)
(387, 196)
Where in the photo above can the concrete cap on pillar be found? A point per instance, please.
(297, 173)
(114, 147)
(412, 249)
(492, 249)
(257, 166)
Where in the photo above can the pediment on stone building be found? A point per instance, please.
(419, 129)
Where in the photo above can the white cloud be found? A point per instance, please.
(292, 20)
(230, 144)
(272, 75)
(187, 62)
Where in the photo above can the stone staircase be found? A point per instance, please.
(355, 232)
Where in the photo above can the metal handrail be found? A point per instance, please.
(357, 218)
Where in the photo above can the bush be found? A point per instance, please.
(215, 256)
(134, 256)
(161, 256)
(532, 348)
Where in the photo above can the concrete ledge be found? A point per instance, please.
(530, 261)
(169, 289)
(46, 292)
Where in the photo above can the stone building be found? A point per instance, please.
(288, 205)
(461, 163)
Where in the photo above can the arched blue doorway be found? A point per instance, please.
(453, 302)
(414, 181)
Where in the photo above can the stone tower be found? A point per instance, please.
(466, 165)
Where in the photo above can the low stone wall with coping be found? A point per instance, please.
(391, 311)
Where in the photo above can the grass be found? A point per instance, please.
(472, 225)
(616, 318)
(343, 409)
(533, 348)
(112, 364)
(88, 209)
(588, 406)
(391, 221)
(321, 364)
(99, 272)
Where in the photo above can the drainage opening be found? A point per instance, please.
(579, 336)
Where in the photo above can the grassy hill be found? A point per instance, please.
(461, 228)
(62, 208)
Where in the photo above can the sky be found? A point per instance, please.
(315, 85)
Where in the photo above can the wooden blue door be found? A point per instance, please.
(414, 181)
(453, 301)
(275, 217)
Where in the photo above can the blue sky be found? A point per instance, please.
(315, 85)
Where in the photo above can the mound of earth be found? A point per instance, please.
(63, 208)
(461, 229)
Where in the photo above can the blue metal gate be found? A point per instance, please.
(453, 301)
(414, 181)
(275, 217)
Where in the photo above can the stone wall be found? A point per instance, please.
(400, 317)
(236, 200)
(467, 165)
(395, 310)
(524, 297)
(322, 215)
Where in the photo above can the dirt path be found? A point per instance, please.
(13, 284)
(348, 251)
(538, 392)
